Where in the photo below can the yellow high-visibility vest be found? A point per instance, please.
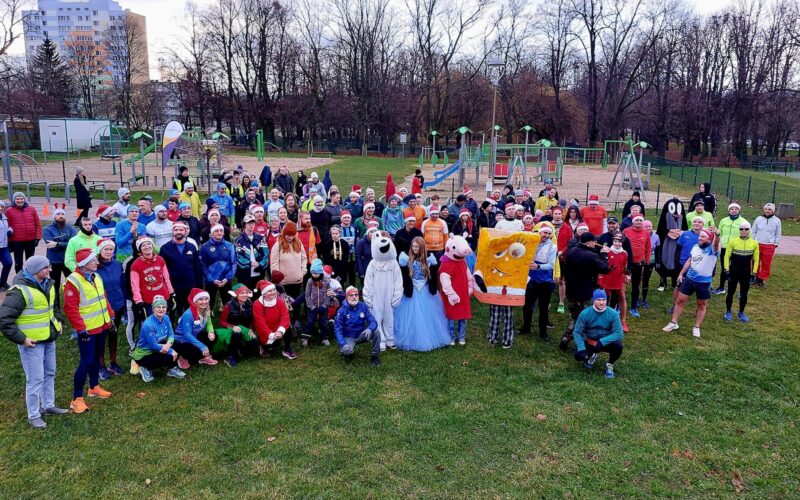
(35, 319)
(93, 307)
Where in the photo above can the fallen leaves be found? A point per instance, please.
(141, 394)
(541, 417)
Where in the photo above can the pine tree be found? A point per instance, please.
(50, 76)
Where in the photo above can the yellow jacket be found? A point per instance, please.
(740, 250)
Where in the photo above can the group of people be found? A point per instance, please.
(294, 259)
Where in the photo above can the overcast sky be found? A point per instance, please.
(164, 19)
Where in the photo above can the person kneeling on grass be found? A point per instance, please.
(271, 319)
(236, 336)
(195, 332)
(598, 329)
(154, 347)
(354, 324)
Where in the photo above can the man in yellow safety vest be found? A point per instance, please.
(27, 319)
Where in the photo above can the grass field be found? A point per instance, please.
(684, 418)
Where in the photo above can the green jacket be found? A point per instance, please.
(76, 243)
(729, 228)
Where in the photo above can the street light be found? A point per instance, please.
(495, 66)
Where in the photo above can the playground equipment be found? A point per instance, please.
(27, 164)
(628, 167)
(110, 140)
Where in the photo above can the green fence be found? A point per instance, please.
(731, 185)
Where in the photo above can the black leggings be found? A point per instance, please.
(294, 290)
(743, 280)
(58, 270)
(648, 271)
(213, 290)
(18, 248)
(636, 282)
(156, 360)
(191, 353)
(541, 293)
(723, 275)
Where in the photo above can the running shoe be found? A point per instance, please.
(104, 374)
(208, 360)
(462, 342)
(560, 309)
(609, 370)
(589, 363)
(134, 368)
(326, 343)
(645, 304)
(696, 332)
(115, 369)
(718, 291)
(290, 355)
(728, 316)
(671, 326)
(743, 317)
(231, 361)
(176, 372)
(145, 373)
(635, 313)
(99, 392)
(78, 405)
(183, 363)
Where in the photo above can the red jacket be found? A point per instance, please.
(72, 301)
(270, 319)
(615, 279)
(564, 235)
(640, 244)
(594, 218)
(25, 223)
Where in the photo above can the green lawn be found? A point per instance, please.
(683, 418)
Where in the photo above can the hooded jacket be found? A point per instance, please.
(581, 267)
(707, 197)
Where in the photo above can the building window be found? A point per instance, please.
(97, 23)
(94, 12)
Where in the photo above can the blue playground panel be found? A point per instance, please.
(441, 175)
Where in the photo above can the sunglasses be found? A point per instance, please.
(743, 229)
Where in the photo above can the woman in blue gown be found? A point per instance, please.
(419, 320)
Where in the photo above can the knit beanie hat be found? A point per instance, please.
(599, 294)
(159, 300)
(587, 237)
(122, 192)
(316, 267)
(277, 277)
(19, 194)
(36, 264)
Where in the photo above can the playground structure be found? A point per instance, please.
(110, 141)
(629, 169)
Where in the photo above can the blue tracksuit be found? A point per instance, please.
(351, 321)
(218, 259)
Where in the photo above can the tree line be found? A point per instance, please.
(578, 71)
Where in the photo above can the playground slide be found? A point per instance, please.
(137, 157)
(444, 174)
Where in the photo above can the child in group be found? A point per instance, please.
(348, 234)
(318, 297)
(235, 336)
(420, 321)
(614, 282)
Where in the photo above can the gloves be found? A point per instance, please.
(403, 259)
(347, 350)
(113, 328)
(139, 312)
(431, 260)
(593, 346)
(367, 334)
(173, 304)
(83, 335)
(581, 356)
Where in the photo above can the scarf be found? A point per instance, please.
(337, 250)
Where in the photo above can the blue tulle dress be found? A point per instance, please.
(419, 321)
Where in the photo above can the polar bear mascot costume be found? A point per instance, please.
(383, 287)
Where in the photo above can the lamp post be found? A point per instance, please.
(496, 66)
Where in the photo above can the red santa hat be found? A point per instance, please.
(467, 190)
(356, 188)
(141, 241)
(345, 213)
(277, 277)
(105, 242)
(264, 286)
(105, 211)
(195, 295)
(582, 225)
(594, 199)
(367, 205)
(84, 256)
(464, 210)
(373, 224)
(433, 210)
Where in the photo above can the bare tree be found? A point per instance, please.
(11, 20)
(85, 61)
(125, 41)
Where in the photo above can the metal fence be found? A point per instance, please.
(741, 187)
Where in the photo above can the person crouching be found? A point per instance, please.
(271, 320)
(598, 329)
(154, 347)
(354, 325)
(195, 332)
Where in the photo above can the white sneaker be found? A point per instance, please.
(696, 332)
(661, 289)
(176, 372)
(452, 342)
(145, 373)
(462, 342)
(326, 343)
(134, 368)
(304, 342)
(671, 326)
